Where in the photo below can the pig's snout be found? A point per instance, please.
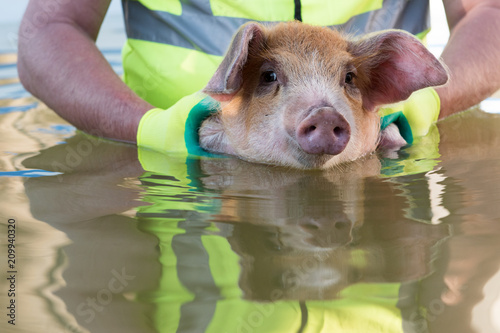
(323, 131)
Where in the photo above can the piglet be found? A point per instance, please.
(306, 97)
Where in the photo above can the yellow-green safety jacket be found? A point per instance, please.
(174, 46)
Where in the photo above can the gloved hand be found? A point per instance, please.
(414, 116)
(175, 130)
(415, 119)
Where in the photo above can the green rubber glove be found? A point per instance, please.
(413, 116)
(175, 130)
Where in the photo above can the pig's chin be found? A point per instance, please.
(308, 161)
(322, 161)
(353, 152)
(291, 156)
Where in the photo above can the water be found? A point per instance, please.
(105, 242)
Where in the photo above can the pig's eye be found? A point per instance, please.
(269, 76)
(349, 77)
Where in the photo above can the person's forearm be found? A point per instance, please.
(62, 66)
(473, 58)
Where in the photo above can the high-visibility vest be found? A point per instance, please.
(174, 46)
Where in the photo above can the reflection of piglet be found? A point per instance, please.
(304, 96)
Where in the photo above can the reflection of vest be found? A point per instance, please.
(174, 46)
(199, 289)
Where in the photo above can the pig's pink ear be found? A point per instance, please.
(227, 79)
(392, 65)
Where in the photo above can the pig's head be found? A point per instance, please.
(303, 96)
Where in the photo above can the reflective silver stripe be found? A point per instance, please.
(410, 15)
(195, 29)
(193, 270)
(198, 29)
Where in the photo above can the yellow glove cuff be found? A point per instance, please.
(163, 130)
(420, 110)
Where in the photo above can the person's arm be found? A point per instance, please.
(472, 54)
(59, 63)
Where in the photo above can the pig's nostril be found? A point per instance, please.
(309, 129)
(338, 131)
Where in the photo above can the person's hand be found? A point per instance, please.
(413, 116)
(175, 130)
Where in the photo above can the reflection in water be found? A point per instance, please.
(221, 245)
